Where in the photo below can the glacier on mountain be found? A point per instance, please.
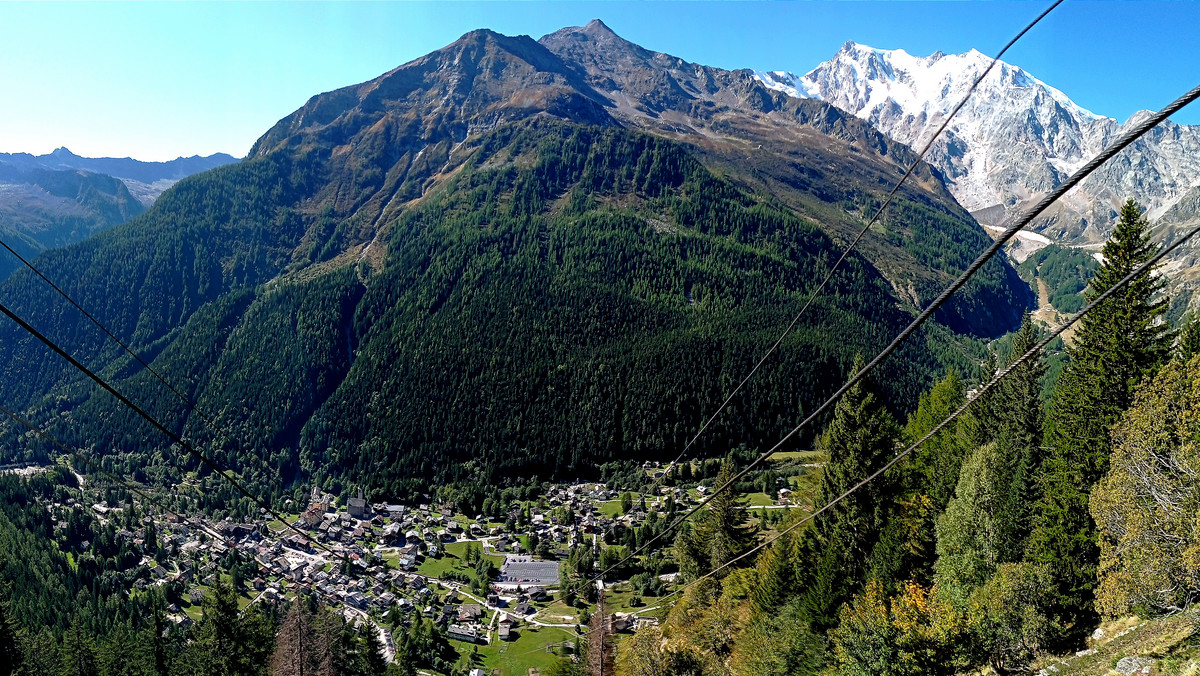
(1014, 141)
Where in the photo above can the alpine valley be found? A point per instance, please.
(507, 257)
(457, 333)
(60, 198)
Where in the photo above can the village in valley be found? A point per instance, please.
(494, 588)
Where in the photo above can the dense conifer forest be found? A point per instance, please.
(1009, 535)
(569, 296)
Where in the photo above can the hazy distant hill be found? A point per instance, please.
(506, 258)
(42, 208)
(53, 200)
(146, 180)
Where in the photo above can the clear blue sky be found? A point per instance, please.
(155, 81)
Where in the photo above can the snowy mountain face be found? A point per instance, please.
(1015, 140)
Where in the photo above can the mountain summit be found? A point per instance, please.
(1015, 140)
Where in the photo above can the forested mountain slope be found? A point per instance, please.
(480, 265)
(813, 157)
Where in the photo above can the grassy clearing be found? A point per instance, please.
(558, 612)
(619, 596)
(611, 508)
(276, 525)
(758, 499)
(439, 567)
(453, 559)
(515, 658)
(459, 550)
(1168, 641)
(244, 600)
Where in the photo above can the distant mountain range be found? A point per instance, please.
(1014, 141)
(146, 180)
(57, 199)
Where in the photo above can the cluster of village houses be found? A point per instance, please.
(366, 535)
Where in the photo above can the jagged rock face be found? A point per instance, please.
(384, 142)
(668, 94)
(1016, 139)
(796, 148)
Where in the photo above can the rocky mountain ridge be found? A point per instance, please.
(390, 140)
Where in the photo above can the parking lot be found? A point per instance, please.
(525, 570)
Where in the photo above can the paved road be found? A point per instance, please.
(455, 585)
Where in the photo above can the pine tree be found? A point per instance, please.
(126, 653)
(934, 465)
(371, 649)
(834, 551)
(1188, 345)
(927, 481)
(39, 657)
(728, 534)
(227, 642)
(78, 654)
(775, 576)
(1117, 344)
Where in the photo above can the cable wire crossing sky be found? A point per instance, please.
(157, 81)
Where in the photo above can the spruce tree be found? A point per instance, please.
(775, 576)
(1188, 345)
(1019, 422)
(933, 469)
(860, 439)
(905, 550)
(78, 654)
(371, 650)
(40, 657)
(1117, 344)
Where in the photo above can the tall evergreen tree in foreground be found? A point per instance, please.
(720, 533)
(834, 552)
(1117, 344)
(934, 465)
(1017, 406)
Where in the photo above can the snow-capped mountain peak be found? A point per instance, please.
(1016, 139)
